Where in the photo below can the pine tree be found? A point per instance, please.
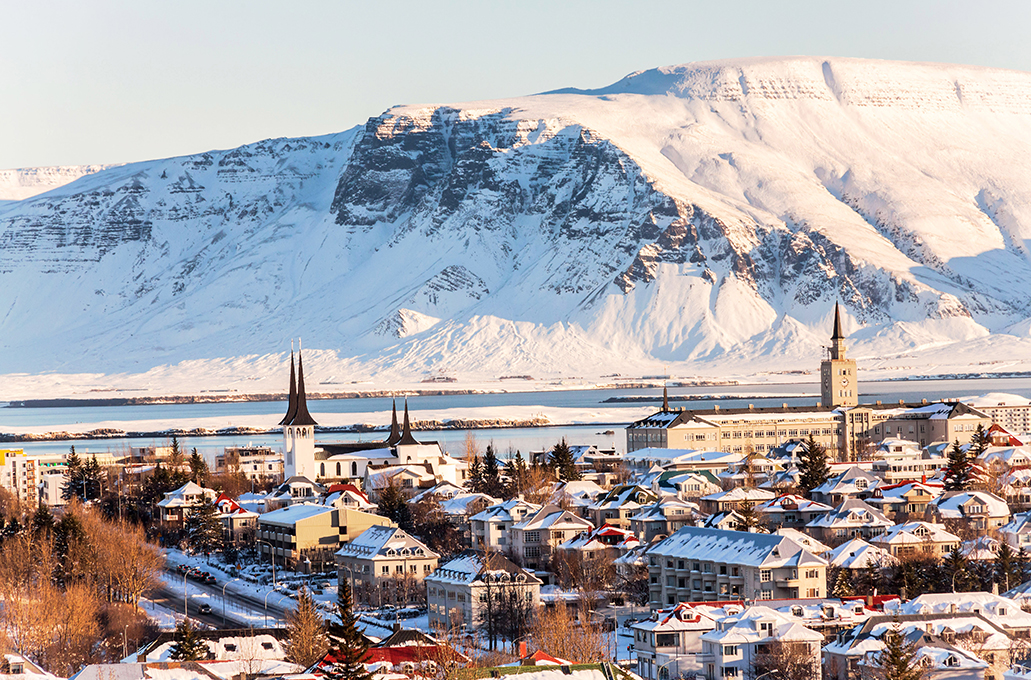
(956, 569)
(347, 646)
(72, 477)
(1021, 565)
(749, 517)
(957, 472)
(93, 478)
(843, 584)
(515, 470)
(491, 483)
(897, 661)
(204, 529)
(561, 460)
(43, 522)
(188, 645)
(198, 468)
(307, 642)
(1006, 569)
(393, 504)
(475, 483)
(812, 466)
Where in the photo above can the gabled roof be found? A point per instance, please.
(737, 547)
(380, 541)
(470, 566)
(851, 513)
(550, 516)
(858, 554)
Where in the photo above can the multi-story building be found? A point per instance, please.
(254, 462)
(384, 553)
(790, 511)
(661, 519)
(899, 460)
(734, 499)
(307, 531)
(537, 535)
(618, 505)
(239, 525)
(979, 511)
(697, 564)
(916, 538)
(473, 585)
(904, 501)
(21, 475)
(671, 640)
(1011, 411)
(853, 518)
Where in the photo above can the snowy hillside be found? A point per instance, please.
(22, 183)
(702, 217)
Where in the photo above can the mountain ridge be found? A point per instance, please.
(566, 232)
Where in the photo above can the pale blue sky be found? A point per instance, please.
(105, 81)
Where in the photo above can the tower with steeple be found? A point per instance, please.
(839, 384)
(298, 427)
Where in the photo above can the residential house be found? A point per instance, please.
(239, 525)
(257, 463)
(617, 506)
(492, 527)
(662, 518)
(905, 500)
(699, 564)
(979, 511)
(347, 496)
(729, 520)
(1002, 611)
(689, 486)
(463, 588)
(734, 499)
(605, 542)
(899, 460)
(858, 554)
(854, 482)
(671, 640)
(790, 510)
(296, 489)
(850, 519)
(1017, 532)
(381, 554)
(176, 507)
(538, 534)
(804, 540)
(913, 538)
(740, 644)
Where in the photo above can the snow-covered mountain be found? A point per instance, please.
(22, 183)
(702, 217)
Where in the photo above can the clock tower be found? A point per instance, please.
(839, 385)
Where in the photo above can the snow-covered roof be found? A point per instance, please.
(503, 512)
(734, 547)
(851, 513)
(792, 503)
(858, 554)
(999, 609)
(552, 516)
(385, 542)
(915, 533)
(629, 496)
(996, 399)
(605, 536)
(805, 540)
(292, 514)
(741, 494)
(470, 567)
(950, 505)
(747, 627)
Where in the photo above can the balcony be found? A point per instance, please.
(788, 582)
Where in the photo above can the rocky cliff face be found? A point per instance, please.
(685, 215)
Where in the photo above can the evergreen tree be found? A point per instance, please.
(93, 478)
(958, 470)
(897, 661)
(72, 477)
(306, 642)
(869, 579)
(198, 468)
(1021, 565)
(188, 645)
(812, 466)
(561, 460)
(979, 442)
(393, 504)
(347, 646)
(1006, 569)
(43, 522)
(750, 519)
(475, 482)
(956, 569)
(516, 471)
(175, 458)
(491, 483)
(843, 584)
(204, 528)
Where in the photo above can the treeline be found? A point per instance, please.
(71, 587)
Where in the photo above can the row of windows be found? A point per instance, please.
(322, 470)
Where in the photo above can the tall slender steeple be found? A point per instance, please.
(406, 430)
(665, 400)
(301, 417)
(291, 404)
(395, 430)
(837, 335)
(839, 382)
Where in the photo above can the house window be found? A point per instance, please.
(765, 575)
(533, 537)
(532, 551)
(729, 650)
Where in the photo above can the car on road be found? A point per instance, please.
(204, 609)
(209, 579)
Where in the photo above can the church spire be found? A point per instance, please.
(291, 404)
(665, 400)
(301, 417)
(837, 335)
(395, 430)
(406, 431)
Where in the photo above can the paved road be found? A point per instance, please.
(235, 603)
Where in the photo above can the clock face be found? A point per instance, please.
(844, 382)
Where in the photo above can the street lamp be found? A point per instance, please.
(266, 606)
(351, 572)
(224, 600)
(272, 551)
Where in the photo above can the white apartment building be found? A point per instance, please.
(738, 644)
(697, 564)
(461, 589)
(254, 462)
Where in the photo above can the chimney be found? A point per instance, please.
(522, 649)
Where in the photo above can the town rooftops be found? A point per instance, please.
(953, 504)
(858, 554)
(292, 514)
(734, 547)
(380, 541)
(470, 567)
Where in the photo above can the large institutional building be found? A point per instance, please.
(845, 427)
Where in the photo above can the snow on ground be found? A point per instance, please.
(165, 618)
